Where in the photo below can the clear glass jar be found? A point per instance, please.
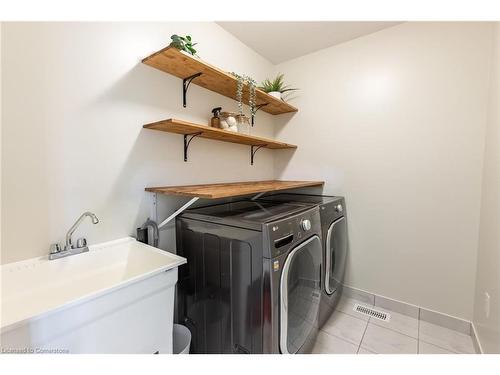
(243, 123)
(228, 121)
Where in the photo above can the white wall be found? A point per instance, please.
(395, 121)
(1, 26)
(75, 97)
(488, 261)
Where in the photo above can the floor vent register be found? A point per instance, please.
(377, 314)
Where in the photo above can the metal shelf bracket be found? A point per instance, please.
(253, 150)
(187, 140)
(185, 85)
(257, 196)
(257, 108)
(177, 212)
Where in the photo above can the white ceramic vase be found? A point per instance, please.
(276, 94)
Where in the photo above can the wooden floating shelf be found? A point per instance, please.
(233, 189)
(188, 128)
(180, 64)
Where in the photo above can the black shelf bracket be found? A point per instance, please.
(187, 140)
(185, 85)
(253, 150)
(257, 108)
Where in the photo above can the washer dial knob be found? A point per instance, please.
(305, 224)
(339, 208)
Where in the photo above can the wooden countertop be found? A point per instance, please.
(232, 189)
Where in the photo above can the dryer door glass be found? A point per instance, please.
(336, 249)
(300, 294)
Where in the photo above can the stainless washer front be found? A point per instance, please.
(300, 294)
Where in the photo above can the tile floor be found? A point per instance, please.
(349, 332)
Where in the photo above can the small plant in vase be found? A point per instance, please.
(183, 43)
(276, 87)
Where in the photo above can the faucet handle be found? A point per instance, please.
(55, 248)
(81, 242)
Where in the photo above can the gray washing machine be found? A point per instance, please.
(335, 244)
(252, 282)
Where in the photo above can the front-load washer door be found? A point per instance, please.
(300, 291)
(336, 250)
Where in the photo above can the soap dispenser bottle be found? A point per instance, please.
(215, 120)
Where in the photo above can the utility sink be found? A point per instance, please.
(116, 298)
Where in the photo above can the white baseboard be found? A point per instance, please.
(418, 312)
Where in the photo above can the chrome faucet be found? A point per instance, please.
(69, 248)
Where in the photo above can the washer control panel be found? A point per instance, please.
(285, 234)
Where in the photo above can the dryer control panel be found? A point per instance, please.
(283, 235)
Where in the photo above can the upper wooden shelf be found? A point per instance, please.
(233, 189)
(188, 128)
(182, 65)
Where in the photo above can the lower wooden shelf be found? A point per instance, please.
(232, 189)
(189, 128)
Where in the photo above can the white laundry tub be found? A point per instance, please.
(116, 298)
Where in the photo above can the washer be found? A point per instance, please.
(252, 283)
(335, 244)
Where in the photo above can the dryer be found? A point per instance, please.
(335, 244)
(252, 283)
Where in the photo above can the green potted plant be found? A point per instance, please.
(183, 43)
(276, 87)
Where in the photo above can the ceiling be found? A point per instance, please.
(282, 41)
